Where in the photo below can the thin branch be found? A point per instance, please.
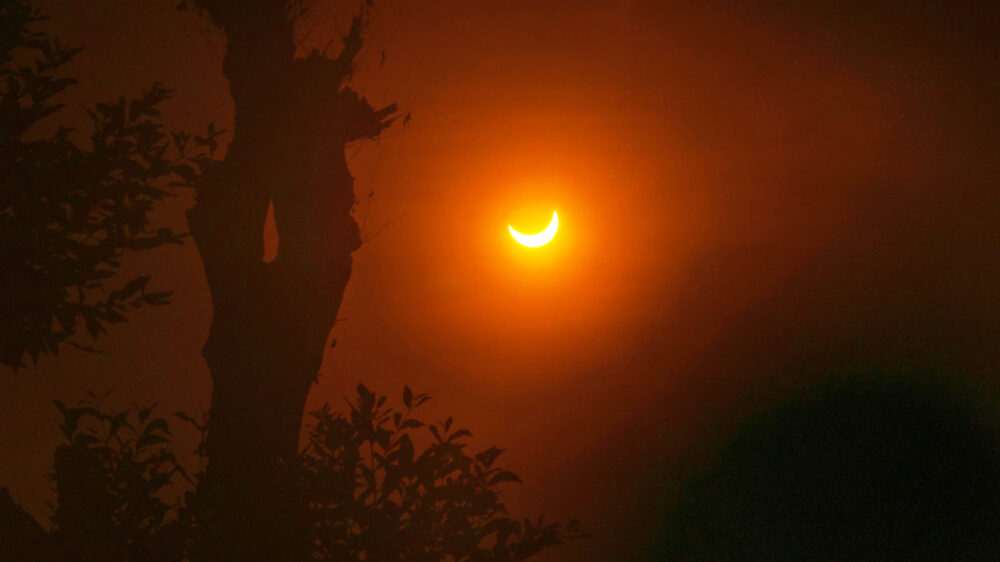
(378, 231)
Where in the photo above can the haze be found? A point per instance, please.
(750, 194)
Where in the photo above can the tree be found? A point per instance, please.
(372, 492)
(294, 118)
(857, 467)
(71, 213)
(68, 215)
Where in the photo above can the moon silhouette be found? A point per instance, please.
(539, 239)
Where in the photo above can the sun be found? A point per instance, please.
(538, 239)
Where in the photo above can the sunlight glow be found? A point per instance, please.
(539, 239)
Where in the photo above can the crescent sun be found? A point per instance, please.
(539, 239)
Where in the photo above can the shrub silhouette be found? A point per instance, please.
(379, 485)
(856, 468)
(110, 476)
(374, 496)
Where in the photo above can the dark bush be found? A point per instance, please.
(855, 468)
(374, 495)
(376, 483)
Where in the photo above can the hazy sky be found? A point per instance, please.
(750, 194)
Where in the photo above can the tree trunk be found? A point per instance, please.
(294, 118)
(21, 537)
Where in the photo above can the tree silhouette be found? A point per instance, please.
(68, 215)
(294, 118)
(372, 492)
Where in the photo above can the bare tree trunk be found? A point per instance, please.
(270, 321)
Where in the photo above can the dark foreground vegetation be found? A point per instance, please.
(877, 467)
(373, 484)
(376, 483)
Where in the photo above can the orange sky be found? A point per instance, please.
(743, 191)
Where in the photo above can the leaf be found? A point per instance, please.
(459, 434)
(158, 424)
(157, 299)
(130, 288)
(112, 316)
(136, 109)
(187, 173)
(180, 141)
(150, 439)
(118, 421)
(489, 456)
(408, 397)
(367, 398)
(94, 327)
(85, 348)
(143, 414)
(505, 476)
(405, 451)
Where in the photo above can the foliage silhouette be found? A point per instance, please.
(110, 476)
(372, 493)
(68, 215)
(856, 468)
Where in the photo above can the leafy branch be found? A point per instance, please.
(70, 214)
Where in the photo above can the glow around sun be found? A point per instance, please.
(540, 238)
